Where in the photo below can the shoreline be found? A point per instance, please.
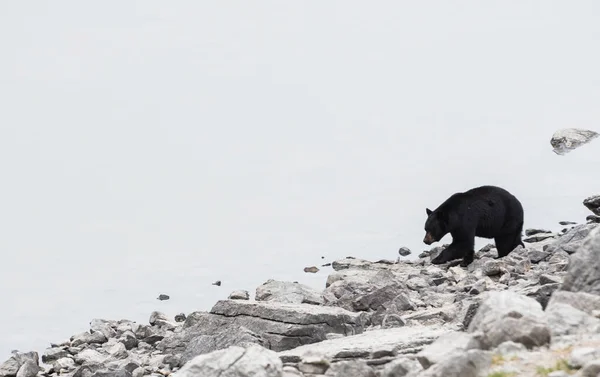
(372, 318)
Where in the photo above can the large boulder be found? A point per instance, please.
(583, 273)
(565, 140)
(276, 326)
(572, 240)
(506, 315)
(252, 361)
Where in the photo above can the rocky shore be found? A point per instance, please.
(535, 312)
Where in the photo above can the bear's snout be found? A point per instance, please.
(428, 240)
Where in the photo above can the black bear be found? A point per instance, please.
(486, 211)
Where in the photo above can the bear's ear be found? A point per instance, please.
(428, 211)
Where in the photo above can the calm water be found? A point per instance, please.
(149, 150)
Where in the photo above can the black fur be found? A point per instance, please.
(487, 212)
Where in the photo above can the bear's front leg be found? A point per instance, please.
(448, 254)
(468, 258)
(464, 242)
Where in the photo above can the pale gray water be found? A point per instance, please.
(151, 148)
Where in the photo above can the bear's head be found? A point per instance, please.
(436, 226)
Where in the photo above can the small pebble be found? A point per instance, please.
(163, 297)
(311, 270)
(180, 317)
(217, 283)
(404, 251)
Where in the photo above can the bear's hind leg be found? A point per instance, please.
(507, 243)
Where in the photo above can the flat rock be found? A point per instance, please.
(288, 292)
(277, 326)
(395, 341)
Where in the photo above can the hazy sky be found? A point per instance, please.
(149, 146)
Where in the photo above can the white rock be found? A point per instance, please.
(89, 356)
(402, 367)
(506, 316)
(565, 140)
(253, 361)
(583, 355)
(447, 345)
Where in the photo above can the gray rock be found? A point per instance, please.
(404, 251)
(536, 256)
(585, 302)
(239, 295)
(395, 341)
(538, 237)
(380, 296)
(565, 140)
(506, 315)
(509, 348)
(112, 373)
(463, 364)
(116, 349)
(402, 367)
(583, 273)
(582, 355)
(159, 319)
(29, 368)
(314, 365)
(128, 339)
(493, 267)
(231, 336)
(591, 369)
(54, 353)
(564, 319)
(279, 326)
(289, 371)
(288, 292)
(64, 363)
(447, 345)
(355, 279)
(532, 231)
(254, 361)
(105, 327)
(350, 368)
(549, 279)
(10, 367)
(571, 241)
(593, 204)
(89, 356)
(593, 219)
(95, 337)
(567, 223)
(179, 318)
